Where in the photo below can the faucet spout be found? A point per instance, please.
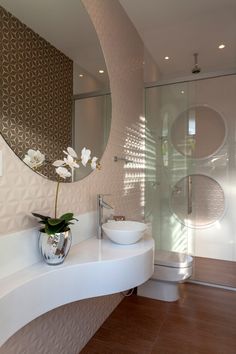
(101, 204)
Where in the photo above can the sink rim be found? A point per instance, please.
(125, 226)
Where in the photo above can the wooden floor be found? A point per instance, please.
(214, 271)
(202, 322)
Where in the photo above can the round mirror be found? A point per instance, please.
(197, 200)
(198, 132)
(55, 86)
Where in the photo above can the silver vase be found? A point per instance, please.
(54, 248)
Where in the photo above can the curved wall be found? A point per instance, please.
(67, 329)
(23, 191)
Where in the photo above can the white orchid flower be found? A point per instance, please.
(94, 163)
(69, 161)
(34, 158)
(27, 160)
(85, 156)
(58, 163)
(63, 172)
(71, 152)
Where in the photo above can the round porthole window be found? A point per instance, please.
(198, 132)
(197, 200)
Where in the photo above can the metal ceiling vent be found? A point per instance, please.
(196, 68)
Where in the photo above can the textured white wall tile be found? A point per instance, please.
(20, 249)
(66, 330)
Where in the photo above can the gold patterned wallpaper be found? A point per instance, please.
(36, 88)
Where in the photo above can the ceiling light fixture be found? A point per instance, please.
(221, 46)
(81, 75)
(167, 58)
(101, 71)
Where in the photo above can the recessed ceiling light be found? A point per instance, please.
(167, 58)
(182, 92)
(101, 71)
(221, 46)
(81, 75)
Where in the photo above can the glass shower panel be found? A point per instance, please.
(166, 166)
(190, 173)
(214, 102)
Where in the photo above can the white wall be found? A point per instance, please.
(67, 329)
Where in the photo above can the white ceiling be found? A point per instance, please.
(179, 28)
(176, 28)
(66, 25)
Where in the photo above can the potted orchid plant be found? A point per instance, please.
(55, 234)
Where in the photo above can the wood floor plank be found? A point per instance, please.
(95, 346)
(214, 271)
(126, 338)
(203, 321)
(198, 335)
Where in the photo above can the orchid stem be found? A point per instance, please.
(57, 190)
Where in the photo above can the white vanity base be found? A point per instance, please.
(93, 268)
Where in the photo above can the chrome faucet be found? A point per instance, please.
(100, 205)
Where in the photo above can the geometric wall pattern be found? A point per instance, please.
(36, 88)
(64, 330)
(23, 191)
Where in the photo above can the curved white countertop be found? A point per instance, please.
(93, 268)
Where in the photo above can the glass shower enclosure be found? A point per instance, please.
(165, 167)
(190, 140)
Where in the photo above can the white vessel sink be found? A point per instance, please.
(124, 232)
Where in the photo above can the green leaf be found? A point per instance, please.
(43, 217)
(55, 228)
(55, 225)
(67, 216)
(52, 229)
(54, 222)
(64, 228)
(49, 232)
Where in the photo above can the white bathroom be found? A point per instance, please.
(117, 173)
